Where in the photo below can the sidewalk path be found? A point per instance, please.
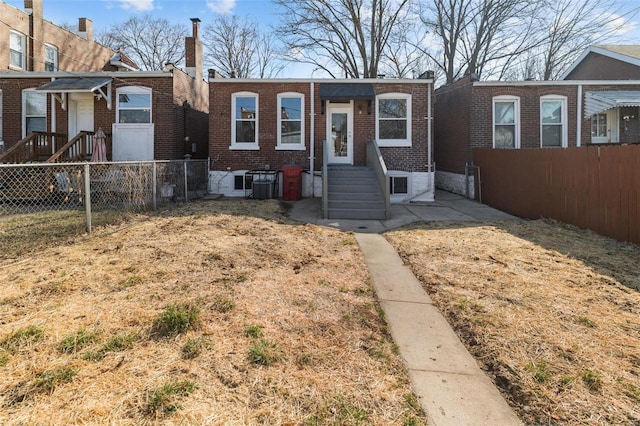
(449, 384)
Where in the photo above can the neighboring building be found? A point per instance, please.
(146, 114)
(610, 62)
(261, 125)
(527, 114)
(28, 42)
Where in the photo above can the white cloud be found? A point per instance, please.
(618, 24)
(138, 5)
(221, 7)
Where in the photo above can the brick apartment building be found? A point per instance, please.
(146, 114)
(585, 108)
(268, 124)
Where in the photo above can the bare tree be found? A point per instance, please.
(149, 42)
(479, 36)
(349, 37)
(237, 48)
(569, 27)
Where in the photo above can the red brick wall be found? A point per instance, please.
(167, 112)
(482, 113)
(74, 52)
(220, 127)
(409, 159)
(599, 67)
(452, 126)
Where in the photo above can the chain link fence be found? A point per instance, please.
(83, 187)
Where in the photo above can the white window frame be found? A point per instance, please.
(133, 90)
(25, 93)
(52, 48)
(22, 51)
(516, 118)
(394, 142)
(301, 146)
(564, 134)
(244, 145)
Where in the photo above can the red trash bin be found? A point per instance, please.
(291, 183)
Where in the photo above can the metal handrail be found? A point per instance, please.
(376, 162)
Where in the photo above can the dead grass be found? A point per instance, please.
(551, 312)
(282, 325)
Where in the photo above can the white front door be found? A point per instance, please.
(340, 133)
(80, 113)
(605, 127)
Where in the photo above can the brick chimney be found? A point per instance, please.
(85, 28)
(193, 51)
(34, 8)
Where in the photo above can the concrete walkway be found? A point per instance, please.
(450, 386)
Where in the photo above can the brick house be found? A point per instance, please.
(146, 114)
(531, 114)
(259, 125)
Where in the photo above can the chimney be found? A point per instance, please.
(85, 28)
(33, 8)
(193, 52)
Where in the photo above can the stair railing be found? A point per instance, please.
(79, 148)
(37, 146)
(376, 162)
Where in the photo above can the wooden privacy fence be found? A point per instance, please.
(593, 187)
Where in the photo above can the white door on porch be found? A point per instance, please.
(80, 113)
(604, 127)
(340, 133)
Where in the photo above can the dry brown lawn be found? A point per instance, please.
(551, 312)
(226, 312)
(215, 312)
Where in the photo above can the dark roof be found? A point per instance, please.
(346, 91)
(75, 84)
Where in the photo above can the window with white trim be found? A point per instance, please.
(290, 121)
(50, 58)
(133, 104)
(34, 111)
(17, 49)
(244, 120)
(553, 121)
(506, 122)
(393, 119)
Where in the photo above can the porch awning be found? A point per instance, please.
(75, 84)
(78, 85)
(344, 92)
(597, 102)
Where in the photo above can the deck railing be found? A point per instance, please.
(36, 147)
(79, 148)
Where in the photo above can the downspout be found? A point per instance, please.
(312, 144)
(430, 189)
(54, 124)
(579, 118)
(429, 142)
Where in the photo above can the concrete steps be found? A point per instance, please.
(354, 193)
